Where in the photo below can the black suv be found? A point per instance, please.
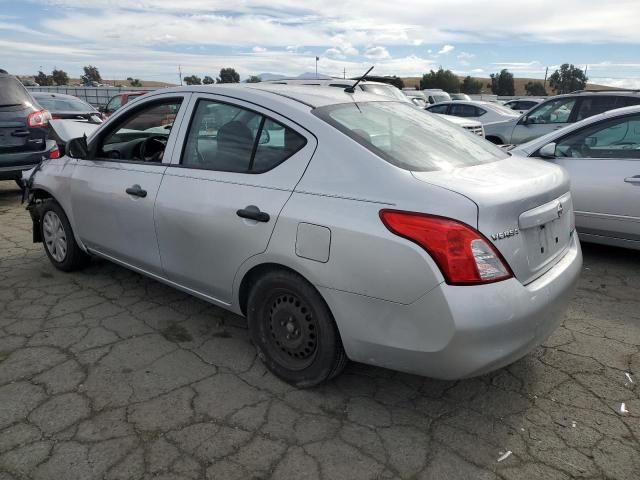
(24, 130)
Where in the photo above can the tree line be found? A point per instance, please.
(567, 78)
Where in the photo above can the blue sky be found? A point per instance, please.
(150, 38)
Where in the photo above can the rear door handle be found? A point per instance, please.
(635, 179)
(253, 213)
(20, 133)
(136, 191)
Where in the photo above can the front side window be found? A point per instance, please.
(553, 111)
(407, 138)
(142, 134)
(228, 138)
(619, 138)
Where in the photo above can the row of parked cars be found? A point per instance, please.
(341, 220)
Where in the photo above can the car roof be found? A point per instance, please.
(54, 95)
(300, 95)
(309, 82)
(598, 93)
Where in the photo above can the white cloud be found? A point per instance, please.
(377, 53)
(465, 55)
(446, 50)
(259, 49)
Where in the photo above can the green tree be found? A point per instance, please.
(91, 74)
(568, 79)
(502, 83)
(535, 89)
(471, 86)
(444, 79)
(207, 80)
(228, 75)
(42, 79)
(254, 79)
(192, 80)
(60, 77)
(134, 82)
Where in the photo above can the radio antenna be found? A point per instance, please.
(352, 89)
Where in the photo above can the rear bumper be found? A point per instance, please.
(456, 331)
(13, 164)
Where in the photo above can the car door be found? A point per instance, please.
(548, 116)
(603, 161)
(114, 190)
(221, 196)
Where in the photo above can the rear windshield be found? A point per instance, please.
(12, 93)
(386, 90)
(408, 137)
(54, 104)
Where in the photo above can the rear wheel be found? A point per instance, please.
(293, 330)
(59, 242)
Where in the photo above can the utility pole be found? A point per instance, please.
(180, 74)
(544, 85)
(317, 58)
(344, 73)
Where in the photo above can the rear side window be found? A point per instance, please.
(438, 108)
(590, 106)
(12, 93)
(463, 110)
(228, 138)
(407, 138)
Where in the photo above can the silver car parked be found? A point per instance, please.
(602, 156)
(342, 225)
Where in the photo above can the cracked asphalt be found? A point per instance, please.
(107, 374)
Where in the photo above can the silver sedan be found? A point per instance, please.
(602, 156)
(342, 225)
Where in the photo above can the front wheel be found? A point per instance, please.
(293, 330)
(59, 242)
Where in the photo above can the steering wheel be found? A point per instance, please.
(152, 148)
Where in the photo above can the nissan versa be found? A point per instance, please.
(342, 225)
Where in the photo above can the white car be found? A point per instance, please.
(484, 112)
(522, 105)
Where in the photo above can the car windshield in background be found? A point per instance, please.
(441, 97)
(385, 90)
(404, 136)
(64, 105)
(12, 93)
(502, 109)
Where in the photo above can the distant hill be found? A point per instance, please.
(266, 77)
(519, 83)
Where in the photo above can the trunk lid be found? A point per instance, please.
(16, 136)
(524, 209)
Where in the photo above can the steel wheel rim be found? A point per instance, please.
(55, 238)
(293, 330)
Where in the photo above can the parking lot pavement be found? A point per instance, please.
(107, 374)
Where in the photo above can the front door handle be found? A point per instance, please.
(635, 179)
(136, 191)
(253, 213)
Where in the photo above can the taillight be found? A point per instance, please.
(39, 118)
(54, 153)
(464, 255)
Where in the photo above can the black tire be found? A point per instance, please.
(74, 257)
(282, 304)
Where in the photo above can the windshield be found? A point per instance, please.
(57, 104)
(12, 93)
(441, 97)
(386, 90)
(419, 102)
(408, 138)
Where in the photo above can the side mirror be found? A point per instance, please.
(548, 151)
(77, 148)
